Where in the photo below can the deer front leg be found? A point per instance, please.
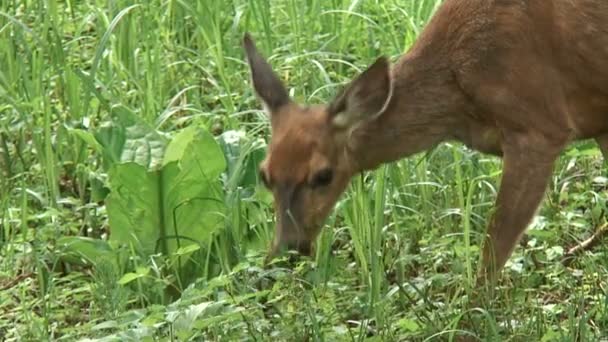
(527, 168)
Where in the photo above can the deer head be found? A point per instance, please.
(308, 164)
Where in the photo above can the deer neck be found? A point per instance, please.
(423, 112)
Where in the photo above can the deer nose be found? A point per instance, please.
(303, 247)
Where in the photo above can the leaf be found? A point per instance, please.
(600, 180)
(129, 277)
(185, 320)
(99, 191)
(112, 139)
(87, 138)
(129, 139)
(583, 149)
(143, 146)
(143, 271)
(543, 234)
(105, 325)
(204, 155)
(554, 252)
(177, 147)
(84, 250)
(243, 158)
(187, 250)
(551, 335)
(184, 252)
(133, 206)
(194, 197)
(179, 204)
(140, 272)
(408, 325)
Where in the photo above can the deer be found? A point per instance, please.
(515, 79)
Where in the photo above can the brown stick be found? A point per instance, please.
(15, 281)
(587, 244)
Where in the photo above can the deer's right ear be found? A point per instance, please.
(364, 98)
(266, 84)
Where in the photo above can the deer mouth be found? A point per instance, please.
(302, 247)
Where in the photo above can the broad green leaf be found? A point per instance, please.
(129, 277)
(143, 146)
(243, 156)
(551, 335)
(140, 272)
(105, 325)
(554, 252)
(178, 145)
(88, 138)
(112, 138)
(186, 319)
(84, 250)
(187, 250)
(133, 206)
(603, 181)
(143, 271)
(408, 325)
(99, 191)
(179, 204)
(203, 156)
(583, 148)
(543, 234)
(128, 139)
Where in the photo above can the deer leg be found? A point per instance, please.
(602, 140)
(527, 168)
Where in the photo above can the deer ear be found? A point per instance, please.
(364, 98)
(266, 84)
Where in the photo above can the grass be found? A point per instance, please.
(397, 258)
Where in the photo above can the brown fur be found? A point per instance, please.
(518, 79)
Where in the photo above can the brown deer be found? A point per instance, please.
(519, 79)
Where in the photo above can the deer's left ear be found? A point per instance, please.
(364, 98)
(267, 85)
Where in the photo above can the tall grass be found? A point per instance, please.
(395, 261)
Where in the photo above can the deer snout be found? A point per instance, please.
(303, 247)
(282, 243)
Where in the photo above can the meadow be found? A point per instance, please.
(131, 209)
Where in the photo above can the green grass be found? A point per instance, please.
(397, 258)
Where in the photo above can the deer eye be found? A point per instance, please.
(322, 178)
(264, 177)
